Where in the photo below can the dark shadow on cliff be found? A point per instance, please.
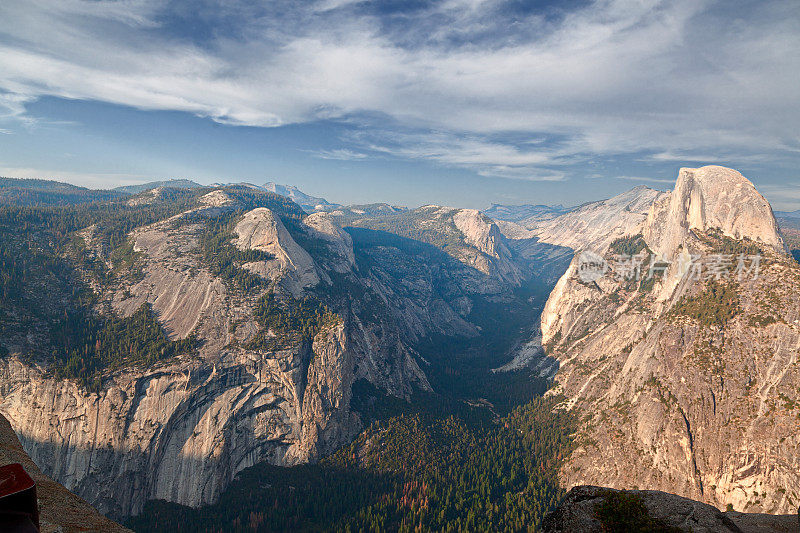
(59, 509)
(271, 498)
(409, 472)
(106, 486)
(117, 482)
(540, 260)
(460, 367)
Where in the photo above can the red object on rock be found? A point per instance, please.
(14, 479)
(19, 509)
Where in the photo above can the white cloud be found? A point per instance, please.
(12, 107)
(646, 179)
(784, 197)
(619, 76)
(522, 173)
(341, 154)
(485, 156)
(705, 158)
(330, 5)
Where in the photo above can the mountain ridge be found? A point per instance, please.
(690, 367)
(175, 183)
(516, 213)
(258, 318)
(308, 202)
(592, 225)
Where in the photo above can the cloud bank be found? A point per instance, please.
(483, 85)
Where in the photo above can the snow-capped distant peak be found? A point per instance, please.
(309, 203)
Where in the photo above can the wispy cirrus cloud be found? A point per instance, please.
(646, 179)
(486, 155)
(12, 107)
(611, 77)
(784, 197)
(706, 157)
(339, 154)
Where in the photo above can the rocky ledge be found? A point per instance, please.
(589, 509)
(60, 510)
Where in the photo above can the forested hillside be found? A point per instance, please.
(32, 192)
(230, 321)
(419, 471)
(56, 258)
(417, 225)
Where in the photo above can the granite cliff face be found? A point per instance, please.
(706, 198)
(686, 379)
(594, 225)
(260, 230)
(465, 234)
(60, 511)
(550, 243)
(494, 257)
(180, 429)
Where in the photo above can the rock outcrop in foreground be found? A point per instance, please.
(588, 509)
(686, 375)
(59, 510)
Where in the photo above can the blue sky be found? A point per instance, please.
(459, 102)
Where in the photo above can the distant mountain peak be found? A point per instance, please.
(177, 183)
(309, 203)
(517, 213)
(593, 225)
(689, 349)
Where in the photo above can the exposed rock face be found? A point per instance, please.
(260, 230)
(465, 234)
(577, 513)
(550, 243)
(688, 383)
(706, 198)
(180, 430)
(545, 261)
(595, 225)
(484, 235)
(517, 213)
(339, 240)
(216, 198)
(181, 294)
(60, 511)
